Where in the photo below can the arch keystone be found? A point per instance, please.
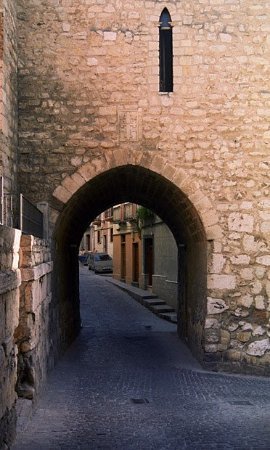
(120, 157)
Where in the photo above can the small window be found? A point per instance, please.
(165, 52)
(111, 234)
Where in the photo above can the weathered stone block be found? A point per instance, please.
(264, 260)
(258, 348)
(241, 222)
(216, 306)
(221, 282)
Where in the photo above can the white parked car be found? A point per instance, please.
(100, 262)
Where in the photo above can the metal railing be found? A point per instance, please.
(108, 214)
(97, 220)
(31, 218)
(118, 215)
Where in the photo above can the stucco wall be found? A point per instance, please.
(165, 276)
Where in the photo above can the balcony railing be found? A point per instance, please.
(108, 214)
(130, 212)
(125, 212)
(118, 214)
(97, 220)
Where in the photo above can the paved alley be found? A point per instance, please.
(129, 383)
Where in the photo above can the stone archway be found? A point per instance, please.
(171, 195)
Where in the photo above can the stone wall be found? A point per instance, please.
(25, 295)
(90, 101)
(33, 333)
(9, 109)
(10, 280)
(1, 62)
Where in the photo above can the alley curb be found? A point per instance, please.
(151, 301)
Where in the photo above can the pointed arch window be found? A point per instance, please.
(165, 52)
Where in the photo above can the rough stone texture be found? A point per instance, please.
(123, 354)
(32, 335)
(89, 103)
(24, 322)
(9, 318)
(8, 107)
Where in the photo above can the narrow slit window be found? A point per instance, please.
(165, 52)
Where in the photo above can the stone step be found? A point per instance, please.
(161, 309)
(149, 296)
(171, 316)
(153, 301)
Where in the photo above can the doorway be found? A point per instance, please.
(149, 260)
(135, 252)
(123, 257)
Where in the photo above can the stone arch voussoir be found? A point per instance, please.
(178, 176)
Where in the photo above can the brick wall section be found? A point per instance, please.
(10, 279)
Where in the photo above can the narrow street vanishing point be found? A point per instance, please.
(129, 383)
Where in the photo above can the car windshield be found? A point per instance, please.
(102, 258)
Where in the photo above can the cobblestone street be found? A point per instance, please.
(129, 383)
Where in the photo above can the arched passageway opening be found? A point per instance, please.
(142, 186)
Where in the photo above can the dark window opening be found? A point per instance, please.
(165, 52)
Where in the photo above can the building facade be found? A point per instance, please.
(98, 237)
(127, 265)
(145, 252)
(92, 116)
